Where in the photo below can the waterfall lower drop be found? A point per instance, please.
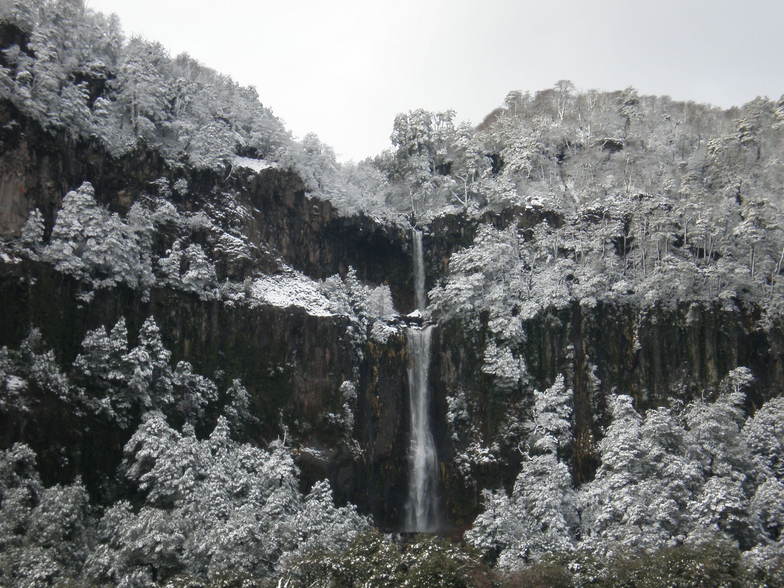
(421, 514)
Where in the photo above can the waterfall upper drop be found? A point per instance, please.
(419, 271)
(421, 512)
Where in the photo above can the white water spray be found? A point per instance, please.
(421, 505)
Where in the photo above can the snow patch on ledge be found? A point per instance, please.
(256, 165)
(292, 289)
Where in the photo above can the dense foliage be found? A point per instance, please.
(375, 560)
(77, 72)
(209, 508)
(701, 475)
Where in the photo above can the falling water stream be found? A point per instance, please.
(419, 271)
(420, 509)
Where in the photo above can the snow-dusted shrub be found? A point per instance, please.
(189, 269)
(98, 247)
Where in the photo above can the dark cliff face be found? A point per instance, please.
(654, 355)
(38, 168)
(311, 236)
(292, 364)
(381, 477)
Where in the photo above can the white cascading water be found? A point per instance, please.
(420, 508)
(419, 271)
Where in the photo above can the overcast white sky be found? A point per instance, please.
(344, 68)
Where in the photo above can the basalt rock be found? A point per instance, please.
(38, 167)
(291, 363)
(656, 355)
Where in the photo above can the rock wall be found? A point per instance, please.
(654, 355)
(381, 477)
(37, 169)
(290, 362)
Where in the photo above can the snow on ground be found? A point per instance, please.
(291, 289)
(256, 165)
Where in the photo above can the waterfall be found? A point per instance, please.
(419, 271)
(421, 505)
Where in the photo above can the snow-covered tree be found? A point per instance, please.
(43, 531)
(32, 235)
(97, 246)
(238, 410)
(141, 86)
(213, 508)
(552, 426)
(764, 435)
(495, 528)
(192, 393)
(541, 515)
(507, 370)
(127, 381)
(190, 269)
(766, 511)
(34, 390)
(714, 438)
(720, 509)
(544, 504)
(611, 505)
